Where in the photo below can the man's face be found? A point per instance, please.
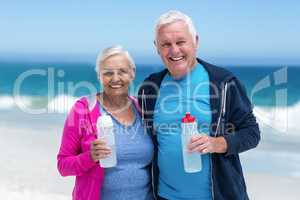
(177, 48)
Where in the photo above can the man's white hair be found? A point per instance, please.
(175, 16)
(112, 51)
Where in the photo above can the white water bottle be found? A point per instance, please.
(191, 161)
(105, 131)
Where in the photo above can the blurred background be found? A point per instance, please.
(48, 51)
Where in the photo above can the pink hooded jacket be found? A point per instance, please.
(74, 157)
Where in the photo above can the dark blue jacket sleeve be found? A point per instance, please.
(245, 132)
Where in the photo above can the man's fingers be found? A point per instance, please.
(196, 137)
(205, 150)
(199, 148)
(197, 141)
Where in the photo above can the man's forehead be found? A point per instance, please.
(178, 35)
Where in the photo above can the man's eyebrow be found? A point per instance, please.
(181, 38)
(164, 42)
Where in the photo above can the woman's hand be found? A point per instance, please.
(206, 144)
(99, 149)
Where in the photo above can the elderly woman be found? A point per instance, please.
(80, 149)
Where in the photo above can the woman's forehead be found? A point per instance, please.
(116, 61)
(114, 68)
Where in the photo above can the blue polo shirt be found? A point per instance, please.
(176, 97)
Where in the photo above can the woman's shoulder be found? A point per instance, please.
(136, 103)
(85, 102)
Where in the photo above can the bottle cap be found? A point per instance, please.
(104, 121)
(188, 118)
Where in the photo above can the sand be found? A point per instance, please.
(28, 165)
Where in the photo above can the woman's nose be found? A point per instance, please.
(116, 76)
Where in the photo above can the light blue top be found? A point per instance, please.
(176, 97)
(131, 178)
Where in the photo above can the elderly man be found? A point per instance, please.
(222, 110)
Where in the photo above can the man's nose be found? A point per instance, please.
(174, 49)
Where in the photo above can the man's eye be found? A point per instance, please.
(165, 45)
(181, 42)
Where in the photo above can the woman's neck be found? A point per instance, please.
(114, 102)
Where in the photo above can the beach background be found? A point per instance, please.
(47, 56)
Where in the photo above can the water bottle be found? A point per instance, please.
(105, 131)
(191, 161)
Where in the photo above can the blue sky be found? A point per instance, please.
(230, 31)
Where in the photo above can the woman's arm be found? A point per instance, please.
(70, 159)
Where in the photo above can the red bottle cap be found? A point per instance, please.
(188, 118)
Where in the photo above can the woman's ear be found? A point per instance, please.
(133, 73)
(99, 77)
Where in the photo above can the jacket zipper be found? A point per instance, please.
(222, 114)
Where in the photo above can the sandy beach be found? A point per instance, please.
(264, 186)
(28, 163)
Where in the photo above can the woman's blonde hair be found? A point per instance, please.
(112, 51)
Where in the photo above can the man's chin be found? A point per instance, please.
(178, 68)
(180, 64)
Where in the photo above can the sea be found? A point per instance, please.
(36, 96)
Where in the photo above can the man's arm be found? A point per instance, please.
(246, 133)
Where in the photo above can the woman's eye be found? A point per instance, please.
(123, 71)
(108, 73)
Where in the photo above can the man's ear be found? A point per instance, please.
(155, 44)
(197, 41)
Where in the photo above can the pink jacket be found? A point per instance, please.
(74, 157)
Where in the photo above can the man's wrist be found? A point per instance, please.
(221, 145)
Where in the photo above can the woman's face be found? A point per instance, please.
(116, 74)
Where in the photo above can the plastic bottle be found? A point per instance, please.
(105, 131)
(191, 161)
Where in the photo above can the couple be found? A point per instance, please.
(150, 165)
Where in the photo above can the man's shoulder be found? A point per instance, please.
(152, 82)
(216, 72)
(157, 76)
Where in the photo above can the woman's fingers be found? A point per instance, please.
(99, 149)
(98, 142)
(102, 154)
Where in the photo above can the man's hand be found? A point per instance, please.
(207, 144)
